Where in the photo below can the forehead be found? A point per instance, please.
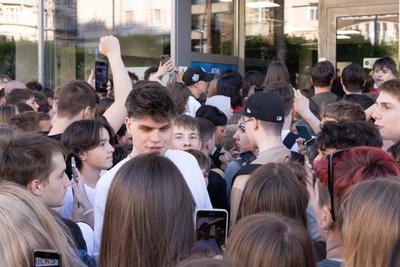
(58, 161)
(385, 97)
(150, 122)
(183, 129)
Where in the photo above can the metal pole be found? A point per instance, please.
(41, 42)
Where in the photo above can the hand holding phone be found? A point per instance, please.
(74, 170)
(101, 76)
(211, 231)
(46, 258)
(304, 132)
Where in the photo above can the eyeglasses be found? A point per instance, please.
(331, 185)
(242, 125)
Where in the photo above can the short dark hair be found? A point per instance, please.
(19, 95)
(353, 78)
(285, 91)
(150, 99)
(26, 121)
(186, 122)
(33, 85)
(343, 111)
(213, 114)
(133, 76)
(206, 129)
(385, 62)
(252, 78)
(391, 87)
(230, 85)
(48, 92)
(82, 136)
(322, 73)
(149, 71)
(28, 157)
(346, 134)
(73, 97)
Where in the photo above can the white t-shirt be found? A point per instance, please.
(68, 206)
(192, 106)
(185, 162)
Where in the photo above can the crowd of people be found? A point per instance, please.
(309, 177)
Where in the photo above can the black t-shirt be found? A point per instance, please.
(217, 191)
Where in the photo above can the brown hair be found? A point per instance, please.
(203, 161)
(391, 87)
(149, 215)
(277, 71)
(28, 157)
(343, 111)
(284, 90)
(7, 111)
(73, 97)
(187, 122)
(268, 239)
(26, 122)
(19, 95)
(274, 188)
(371, 225)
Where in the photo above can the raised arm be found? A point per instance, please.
(302, 107)
(116, 113)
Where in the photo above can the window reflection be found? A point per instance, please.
(213, 26)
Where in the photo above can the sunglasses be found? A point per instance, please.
(331, 184)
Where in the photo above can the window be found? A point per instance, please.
(313, 13)
(158, 18)
(12, 14)
(129, 18)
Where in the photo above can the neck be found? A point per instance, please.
(268, 141)
(319, 90)
(194, 91)
(333, 244)
(59, 125)
(91, 175)
(288, 122)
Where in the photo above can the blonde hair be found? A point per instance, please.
(26, 225)
(370, 223)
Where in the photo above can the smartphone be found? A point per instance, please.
(312, 149)
(101, 76)
(164, 59)
(304, 132)
(47, 258)
(74, 169)
(211, 231)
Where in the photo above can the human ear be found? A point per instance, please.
(35, 187)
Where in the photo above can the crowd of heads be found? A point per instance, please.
(116, 178)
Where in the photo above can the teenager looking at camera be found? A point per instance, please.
(150, 114)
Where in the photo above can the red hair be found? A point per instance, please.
(356, 165)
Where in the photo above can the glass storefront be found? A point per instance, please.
(247, 35)
(212, 28)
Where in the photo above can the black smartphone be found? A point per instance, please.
(46, 258)
(304, 132)
(101, 76)
(211, 231)
(312, 149)
(164, 59)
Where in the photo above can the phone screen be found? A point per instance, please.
(304, 132)
(101, 76)
(211, 231)
(312, 149)
(47, 258)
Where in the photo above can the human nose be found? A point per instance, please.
(155, 137)
(110, 148)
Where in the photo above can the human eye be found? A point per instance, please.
(165, 128)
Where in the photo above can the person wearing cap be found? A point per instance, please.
(197, 80)
(262, 117)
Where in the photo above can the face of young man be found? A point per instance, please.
(185, 138)
(100, 157)
(387, 116)
(52, 191)
(382, 75)
(149, 136)
(241, 139)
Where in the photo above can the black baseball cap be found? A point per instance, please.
(195, 74)
(264, 106)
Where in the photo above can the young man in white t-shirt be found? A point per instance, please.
(150, 112)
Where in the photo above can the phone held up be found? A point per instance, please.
(164, 59)
(101, 76)
(74, 169)
(46, 258)
(211, 231)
